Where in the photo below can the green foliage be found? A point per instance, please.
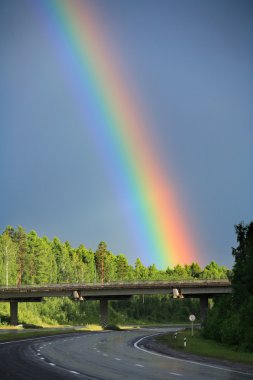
(213, 271)
(8, 263)
(26, 258)
(122, 267)
(141, 271)
(153, 309)
(199, 346)
(230, 320)
(105, 263)
(112, 327)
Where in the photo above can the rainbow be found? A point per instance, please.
(157, 221)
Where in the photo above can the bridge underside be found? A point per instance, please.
(103, 303)
(103, 307)
(14, 307)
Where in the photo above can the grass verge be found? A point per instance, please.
(197, 345)
(20, 333)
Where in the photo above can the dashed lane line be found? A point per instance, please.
(139, 365)
(75, 372)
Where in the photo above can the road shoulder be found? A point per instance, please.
(151, 344)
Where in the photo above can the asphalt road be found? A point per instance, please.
(101, 356)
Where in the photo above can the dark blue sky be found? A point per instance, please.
(191, 63)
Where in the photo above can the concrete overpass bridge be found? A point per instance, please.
(202, 289)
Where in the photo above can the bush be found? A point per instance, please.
(112, 327)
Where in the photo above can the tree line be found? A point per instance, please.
(27, 259)
(230, 320)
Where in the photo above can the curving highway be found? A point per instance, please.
(109, 355)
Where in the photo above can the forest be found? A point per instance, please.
(27, 259)
(230, 320)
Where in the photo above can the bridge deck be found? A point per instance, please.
(189, 288)
(202, 289)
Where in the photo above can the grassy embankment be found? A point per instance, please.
(197, 345)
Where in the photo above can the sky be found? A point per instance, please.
(188, 69)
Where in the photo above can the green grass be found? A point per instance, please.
(196, 344)
(91, 327)
(19, 333)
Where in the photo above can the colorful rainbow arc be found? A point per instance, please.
(77, 34)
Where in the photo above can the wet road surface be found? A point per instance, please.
(112, 355)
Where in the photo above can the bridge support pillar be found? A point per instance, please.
(14, 313)
(104, 312)
(203, 301)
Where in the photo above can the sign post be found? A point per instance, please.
(192, 319)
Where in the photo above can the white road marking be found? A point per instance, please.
(184, 360)
(98, 351)
(75, 373)
(105, 354)
(42, 358)
(51, 363)
(176, 374)
(38, 353)
(139, 365)
(117, 358)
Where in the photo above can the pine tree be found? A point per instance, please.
(100, 255)
(141, 272)
(21, 240)
(121, 267)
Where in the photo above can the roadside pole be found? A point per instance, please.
(192, 319)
